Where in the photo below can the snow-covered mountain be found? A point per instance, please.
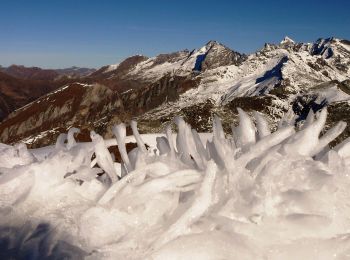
(139, 71)
(282, 80)
(274, 80)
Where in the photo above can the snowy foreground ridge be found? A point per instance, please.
(258, 195)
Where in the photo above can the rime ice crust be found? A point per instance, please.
(255, 195)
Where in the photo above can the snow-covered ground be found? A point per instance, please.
(257, 195)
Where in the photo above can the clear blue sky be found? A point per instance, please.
(61, 33)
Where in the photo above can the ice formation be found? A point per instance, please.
(251, 195)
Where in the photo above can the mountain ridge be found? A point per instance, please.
(37, 73)
(210, 79)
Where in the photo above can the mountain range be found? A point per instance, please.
(36, 73)
(282, 80)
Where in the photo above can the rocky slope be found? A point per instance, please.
(34, 73)
(16, 92)
(86, 106)
(281, 80)
(21, 85)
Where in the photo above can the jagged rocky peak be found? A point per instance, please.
(287, 40)
(213, 43)
(268, 47)
(287, 43)
(331, 47)
(218, 55)
(323, 47)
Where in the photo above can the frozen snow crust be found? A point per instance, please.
(255, 195)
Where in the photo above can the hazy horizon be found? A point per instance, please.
(90, 34)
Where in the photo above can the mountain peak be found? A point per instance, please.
(212, 42)
(286, 39)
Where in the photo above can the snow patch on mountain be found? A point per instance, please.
(111, 68)
(183, 64)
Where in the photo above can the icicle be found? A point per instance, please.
(343, 149)
(60, 141)
(218, 130)
(329, 136)
(181, 136)
(181, 141)
(200, 147)
(261, 125)
(214, 154)
(199, 207)
(245, 130)
(306, 141)
(163, 145)
(220, 154)
(193, 148)
(103, 157)
(118, 169)
(234, 140)
(321, 120)
(265, 144)
(70, 137)
(133, 156)
(140, 143)
(169, 136)
(309, 120)
(183, 181)
(120, 133)
(158, 167)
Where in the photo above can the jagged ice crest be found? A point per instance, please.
(251, 195)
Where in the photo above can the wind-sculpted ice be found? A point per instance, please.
(250, 195)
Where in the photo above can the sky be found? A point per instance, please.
(62, 33)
